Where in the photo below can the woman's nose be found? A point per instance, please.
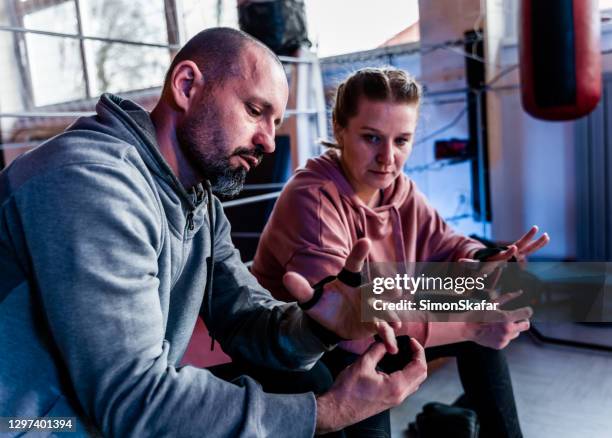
(385, 154)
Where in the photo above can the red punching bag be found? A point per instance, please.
(560, 59)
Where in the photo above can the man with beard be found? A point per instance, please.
(111, 244)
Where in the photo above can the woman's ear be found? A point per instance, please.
(185, 82)
(339, 134)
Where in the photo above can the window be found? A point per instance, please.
(120, 67)
(196, 15)
(333, 33)
(63, 68)
(54, 63)
(605, 5)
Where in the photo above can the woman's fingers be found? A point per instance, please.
(387, 334)
(507, 297)
(523, 325)
(537, 244)
(517, 315)
(506, 254)
(528, 246)
(524, 240)
(356, 258)
(297, 286)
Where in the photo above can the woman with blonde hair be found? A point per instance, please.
(357, 189)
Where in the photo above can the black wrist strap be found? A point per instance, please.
(352, 279)
(484, 253)
(318, 293)
(325, 335)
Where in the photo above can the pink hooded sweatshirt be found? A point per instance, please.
(318, 218)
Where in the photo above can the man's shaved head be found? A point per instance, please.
(217, 53)
(223, 96)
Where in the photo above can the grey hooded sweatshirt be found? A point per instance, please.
(103, 267)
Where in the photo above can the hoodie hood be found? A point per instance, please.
(128, 122)
(382, 224)
(328, 167)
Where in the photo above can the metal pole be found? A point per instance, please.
(84, 37)
(30, 114)
(19, 44)
(294, 60)
(34, 114)
(172, 26)
(82, 49)
(297, 111)
(173, 47)
(481, 164)
(264, 186)
(250, 199)
(1, 150)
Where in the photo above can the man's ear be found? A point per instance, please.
(185, 82)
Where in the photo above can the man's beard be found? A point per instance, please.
(203, 141)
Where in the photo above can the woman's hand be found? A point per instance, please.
(507, 325)
(522, 247)
(339, 308)
(495, 335)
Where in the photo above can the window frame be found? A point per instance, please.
(18, 9)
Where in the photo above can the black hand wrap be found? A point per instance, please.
(351, 279)
(483, 254)
(318, 293)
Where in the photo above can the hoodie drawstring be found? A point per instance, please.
(362, 218)
(399, 239)
(398, 232)
(211, 264)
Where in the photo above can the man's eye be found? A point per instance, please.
(401, 142)
(253, 110)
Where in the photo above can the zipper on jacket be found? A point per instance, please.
(190, 223)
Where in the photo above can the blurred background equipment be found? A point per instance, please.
(280, 24)
(560, 59)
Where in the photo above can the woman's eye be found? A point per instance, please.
(371, 138)
(401, 142)
(253, 110)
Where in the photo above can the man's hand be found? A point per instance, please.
(499, 334)
(339, 308)
(361, 391)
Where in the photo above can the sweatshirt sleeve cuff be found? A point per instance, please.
(327, 337)
(292, 415)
